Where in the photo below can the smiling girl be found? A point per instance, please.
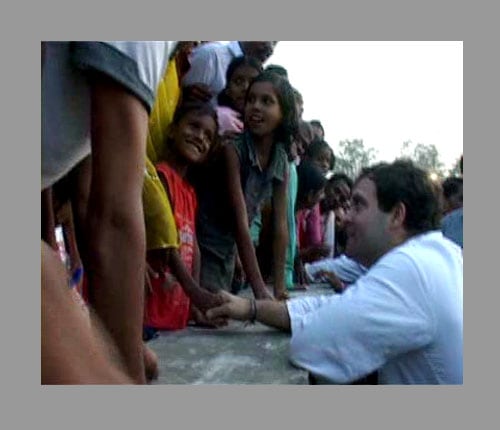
(253, 167)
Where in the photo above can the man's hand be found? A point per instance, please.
(233, 307)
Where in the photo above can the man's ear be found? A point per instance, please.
(398, 215)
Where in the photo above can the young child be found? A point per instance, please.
(310, 190)
(231, 100)
(191, 137)
(333, 209)
(253, 167)
(309, 220)
(240, 73)
(231, 103)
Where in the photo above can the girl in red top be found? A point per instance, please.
(175, 289)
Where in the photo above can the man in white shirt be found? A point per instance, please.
(404, 317)
(206, 77)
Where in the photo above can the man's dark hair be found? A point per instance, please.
(452, 186)
(402, 181)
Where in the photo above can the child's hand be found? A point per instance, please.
(204, 299)
(200, 319)
(332, 279)
(300, 271)
(239, 273)
(281, 295)
(232, 306)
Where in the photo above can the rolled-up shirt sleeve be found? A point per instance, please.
(139, 66)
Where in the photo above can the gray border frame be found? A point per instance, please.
(252, 407)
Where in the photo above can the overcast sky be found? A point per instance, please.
(382, 92)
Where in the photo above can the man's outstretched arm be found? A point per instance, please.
(268, 312)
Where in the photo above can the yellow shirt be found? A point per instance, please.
(161, 230)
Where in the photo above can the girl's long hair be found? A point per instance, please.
(287, 131)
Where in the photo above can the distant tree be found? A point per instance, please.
(455, 170)
(353, 156)
(424, 156)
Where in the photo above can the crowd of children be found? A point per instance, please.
(237, 189)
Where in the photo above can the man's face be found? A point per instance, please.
(366, 226)
(260, 50)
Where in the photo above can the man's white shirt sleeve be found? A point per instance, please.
(345, 337)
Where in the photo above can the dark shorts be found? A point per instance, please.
(216, 273)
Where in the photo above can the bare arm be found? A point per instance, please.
(72, 351)
(200, 297)
(280, 236)
(115, 219)
(243, 239)
(268, 312)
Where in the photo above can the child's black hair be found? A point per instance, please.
(276, 68)
(298, 96)
(288, 129)
(310, 179)
(451, 186)
(243, 60)
(316, 147)
(341, 177)
(317, 123)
